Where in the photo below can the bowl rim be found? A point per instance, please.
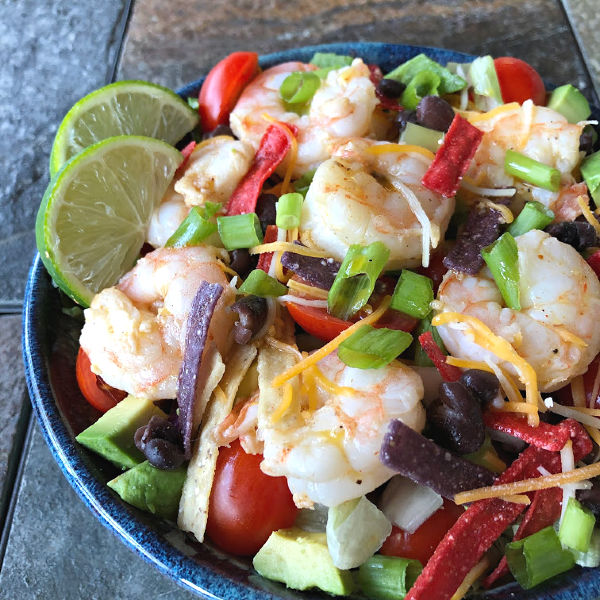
(113, 513)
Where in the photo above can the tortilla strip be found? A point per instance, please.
(271, 362)
(193, 506)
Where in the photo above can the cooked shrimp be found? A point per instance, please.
(360, 196)
(332, 454)
(536, 131)
(215, 168)
(342, 107)
(560, 302)
(134, 333)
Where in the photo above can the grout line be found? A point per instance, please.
(122, 30)
(14, 478)
(595, 93)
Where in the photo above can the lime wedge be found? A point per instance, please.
(94, 215)
(121, 108)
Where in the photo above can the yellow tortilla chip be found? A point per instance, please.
(193, 506)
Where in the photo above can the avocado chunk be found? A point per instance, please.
(570, 103)
(151, 489)
(111, 435)
(301, 560)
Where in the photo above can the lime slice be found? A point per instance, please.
(95, 213)
(121, 108)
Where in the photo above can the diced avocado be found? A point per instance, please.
(301, 560)
(111, 435)
(590, 169)
(151, 489)
(570, 102)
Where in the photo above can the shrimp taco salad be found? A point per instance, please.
(349, 327)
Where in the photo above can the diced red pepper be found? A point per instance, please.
(485, 520)
(453, 157)
(594, 262)
(436, 269)
(543, 511)
(186, 152)
(264, 261)
(546, 436)
(274, 145)
(438, 358)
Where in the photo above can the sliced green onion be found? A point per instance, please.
(576, 526)
(299, 87)
(570, 103)
(533, 216)
(289, 207)
(417, 135)
(591, 558)
(537, 558)
(590, 170)
(502, 258)
(449, 82)
(421, 358)
(531, 171)
(371, 348)
(328, 61)
(484, 78)
(413, 294)
(388, 577)
(240, 231)
(196, 227)
(193, 102)
(355, 281)
(258, 283)
(302, 184)
(425, 83)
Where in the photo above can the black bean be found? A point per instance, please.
(390, 88)
(403, 117)
(218, 130)
(483, 385)
(265, 210)
(434, 112)
(456, 419)
(160, 442)
(580, 235)
(587, 139)
(242, 262)
(163, 454)
(590, 498)
(252, 314)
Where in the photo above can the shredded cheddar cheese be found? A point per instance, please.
(588, 214)
(595, 412)
(226, 269)
(286, 402)
(287, 247)
(472, 576)
(570, 337)
(594, 433)
(529, 485)
(385, 148)
(331, 386)
(578, 391)
(310, 290)
(331, 346)
(474, 117)
(464, 363)
(293, 152)
(506, 213)
(519, 407)
(487, 339)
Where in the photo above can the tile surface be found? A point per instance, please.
(50, 58)
(78, 557)
(173, 43)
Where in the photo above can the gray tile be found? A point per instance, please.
(176, 42)
(585, 19)
(57, 549)
(52, 53)
(13, 402)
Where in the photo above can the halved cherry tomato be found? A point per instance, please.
(223, 86)
(98, 393)
(422, 543)
(246, 505)
(519, 81)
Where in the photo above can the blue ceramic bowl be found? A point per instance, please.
(50, 347)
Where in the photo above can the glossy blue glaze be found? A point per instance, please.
(49, 348)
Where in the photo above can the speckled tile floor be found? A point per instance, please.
(52, 546)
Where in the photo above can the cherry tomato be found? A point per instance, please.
(422, 543)
(317, 321)
(519, 81)
(223, 86)
(98, 393)
(436, 269)
(246, 505)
